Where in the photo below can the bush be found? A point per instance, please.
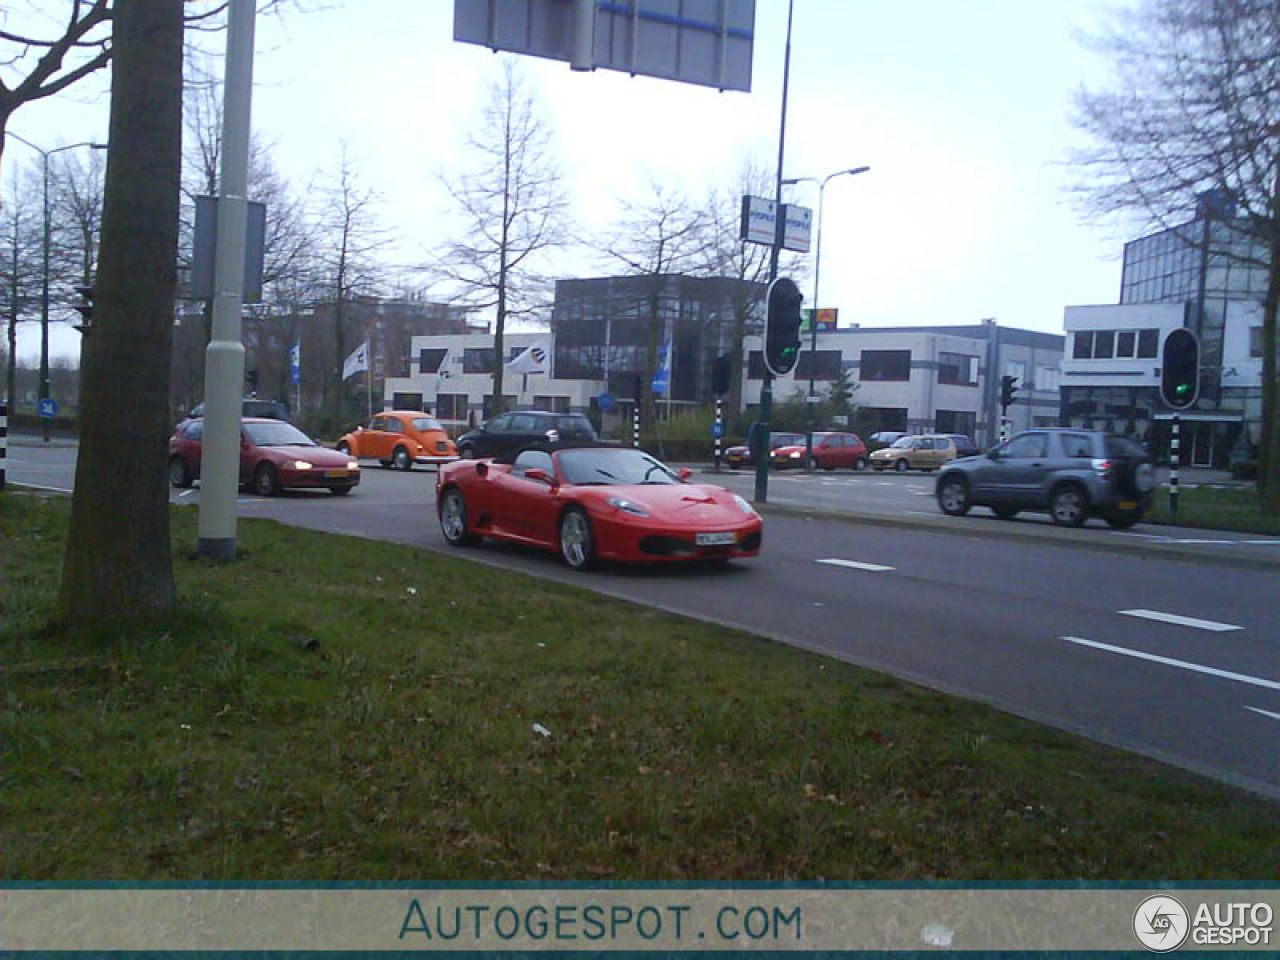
(1244, 470)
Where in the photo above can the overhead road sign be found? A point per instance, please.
(705, 42)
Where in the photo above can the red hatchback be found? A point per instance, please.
(273, 455)
(830, 450)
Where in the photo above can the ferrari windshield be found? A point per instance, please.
(613, 466)
(277, 433)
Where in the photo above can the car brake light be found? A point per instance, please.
(1102, 466)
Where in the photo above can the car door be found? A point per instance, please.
(523, 430)
(521, 506)
(393, 432)
(373, 441)
(1024, 467)
(488, 441)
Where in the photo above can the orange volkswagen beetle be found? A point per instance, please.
(400, 438)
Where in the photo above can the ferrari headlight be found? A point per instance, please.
(744, 506)
(301, 465)
(627, 506)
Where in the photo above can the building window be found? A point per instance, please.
(507, 401)
(1048, 378)
(1017, 370)
(958, 369)
(1126, 343)
(429, 360)
(885, 365)
(828, 367)
(956, 421)
(1148, 341)
(883, 418)
(407, 401)
(451, 406)
(1104, 344)
(551, 404)
(477, 360)
(1255, 341)
(1082, 345)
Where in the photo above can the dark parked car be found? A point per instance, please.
(741, 455)
(509, 432)
(252, 407)
(1072, 474)
(965, 447)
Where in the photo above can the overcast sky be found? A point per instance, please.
(958, 106)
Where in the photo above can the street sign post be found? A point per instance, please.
(48, 407)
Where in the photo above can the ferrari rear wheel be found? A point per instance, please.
(577, 543)
(453, 519)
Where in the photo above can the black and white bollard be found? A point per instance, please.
(1174, 457)
(4, 440)
(718, 432)
(635, 425)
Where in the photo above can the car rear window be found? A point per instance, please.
(575, 424)
(1123, 447)
(426, 423)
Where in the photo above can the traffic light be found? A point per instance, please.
(1180, 369)
(1008, 389)
(782, 326)
(722, 374)
(85, 309)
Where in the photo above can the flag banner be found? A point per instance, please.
(295, 363)
(662, 378)
(359, 360)
(654, 919)
(535, 359)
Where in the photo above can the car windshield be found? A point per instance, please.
(422, 424)
(613, 466)
(277, 434)
(904, 442)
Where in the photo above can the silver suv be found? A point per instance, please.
(1072, 474)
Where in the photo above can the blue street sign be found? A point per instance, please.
(717, 429)
(48, 407)
(605, 401)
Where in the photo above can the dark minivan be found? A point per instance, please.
(509, 432)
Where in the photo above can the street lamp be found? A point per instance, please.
(813, 325)
(44, 288)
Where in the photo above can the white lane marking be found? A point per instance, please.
(1181, 621)
(1192, 540)
(1180, 664)
(855, 565)
(1265, 713)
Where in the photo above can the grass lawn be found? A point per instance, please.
(332, 708)
(1216, 508)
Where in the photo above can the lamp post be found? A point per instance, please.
(44, 285)
(813, 325)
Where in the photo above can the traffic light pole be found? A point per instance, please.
(761, 451)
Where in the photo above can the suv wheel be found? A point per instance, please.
(953, 496)
(1068, 507)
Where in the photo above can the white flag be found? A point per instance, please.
(535, 359)
(359, 360)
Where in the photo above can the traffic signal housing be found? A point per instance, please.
(782, 326)
(85, 309)
(722, 374)
(1180, 369)
(1008, 390)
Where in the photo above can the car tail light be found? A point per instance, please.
(1102, 466)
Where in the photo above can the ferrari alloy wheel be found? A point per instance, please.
(453, 519)
(401, 459)
(179, 475)
(577, 545)
(265, 481)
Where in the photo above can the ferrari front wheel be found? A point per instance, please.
(453, 519)
(577, 543)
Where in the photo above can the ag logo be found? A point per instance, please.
(1161, 923)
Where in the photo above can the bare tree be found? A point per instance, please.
(349, 239)
(20, 270)
(515, 209)
(1195, 106)
(118, 566)
(77, 210)
(655, 240)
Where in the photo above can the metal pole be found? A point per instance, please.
(719, 429)
(1174, 456)
(4, 440)
(44, 306)
(766, 387)
(635, 423)
(224, 357)
(813, 336)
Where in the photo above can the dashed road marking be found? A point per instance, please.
(1174, 618)
(1265, 713)
(1180, 664)
(855, 565)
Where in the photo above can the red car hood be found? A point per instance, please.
(320, 456)
(679, 502)
(788, 450)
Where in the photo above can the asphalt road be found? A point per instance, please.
(1135, 639)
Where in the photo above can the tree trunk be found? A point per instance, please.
(118, 565)
(1269, 436)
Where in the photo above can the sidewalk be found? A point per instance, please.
(36, 440)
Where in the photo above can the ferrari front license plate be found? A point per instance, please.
(716, 539)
